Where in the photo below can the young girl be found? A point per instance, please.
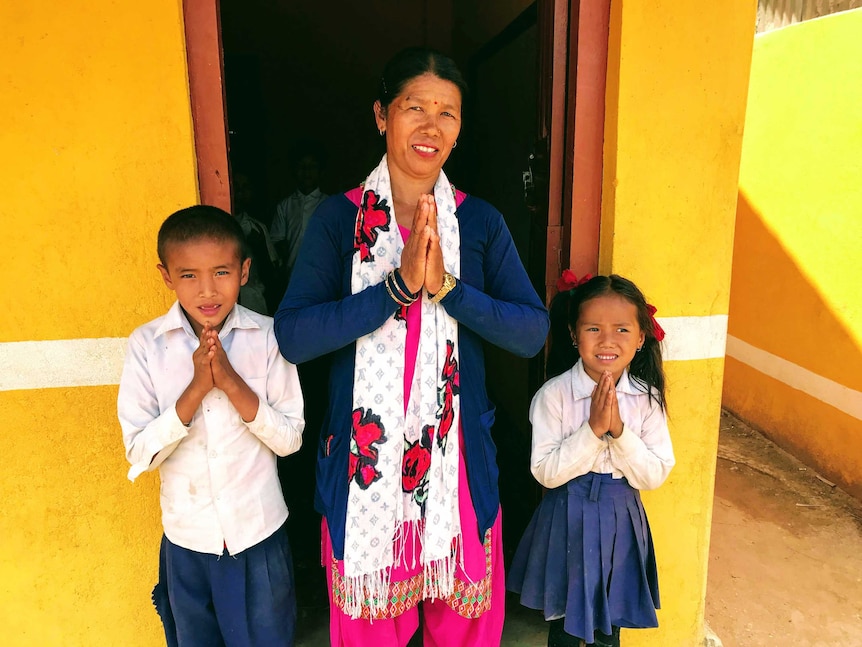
(599, 436)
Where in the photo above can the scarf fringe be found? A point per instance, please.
(440, 573)
(372, 590)
(367, 590)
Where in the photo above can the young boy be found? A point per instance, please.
(207, 398)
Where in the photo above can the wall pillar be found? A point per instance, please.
(675, 106)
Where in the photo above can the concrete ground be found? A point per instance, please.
(785, 565)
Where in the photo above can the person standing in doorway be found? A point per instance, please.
(402, 280)
(292, 214)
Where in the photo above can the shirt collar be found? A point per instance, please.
(307, 196)
(583, 384)
(175, 319)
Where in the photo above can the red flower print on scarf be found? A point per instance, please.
(451, 387)
(367, 430)
(414, 467)
(373, 215)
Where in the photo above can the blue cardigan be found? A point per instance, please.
(493, 300)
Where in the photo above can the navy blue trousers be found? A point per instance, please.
(247, 600)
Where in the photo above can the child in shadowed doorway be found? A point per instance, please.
(206, 397)
(600, 435)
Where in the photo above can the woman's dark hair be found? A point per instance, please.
(646, 368)
(412, 62)
(197, 222)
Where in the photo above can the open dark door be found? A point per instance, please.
(535, 152)
(507, 163)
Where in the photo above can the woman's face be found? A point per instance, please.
(421, 124)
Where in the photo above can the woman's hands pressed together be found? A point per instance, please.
(422, 258)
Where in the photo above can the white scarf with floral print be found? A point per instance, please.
(403, 468)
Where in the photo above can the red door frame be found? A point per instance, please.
(575, 64)
(585, 134)
(206, 90)
(577, 67)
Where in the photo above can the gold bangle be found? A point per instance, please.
(392, 294)
(393, 279)
(401, 287)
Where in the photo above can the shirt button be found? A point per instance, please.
(213, 454)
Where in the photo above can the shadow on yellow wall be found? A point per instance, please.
(795, 325)
(776, 308)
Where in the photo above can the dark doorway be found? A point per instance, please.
(501, 140)
(296, 70)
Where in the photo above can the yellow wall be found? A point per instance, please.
(677, 85)
(95, 150)
(796, 300)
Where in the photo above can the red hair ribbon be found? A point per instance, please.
(569, 281)
(657, 330)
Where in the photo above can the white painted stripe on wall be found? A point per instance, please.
(692, 338)
(832, 393)
(61, 363)
(97, 362)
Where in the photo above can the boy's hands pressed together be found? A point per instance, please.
(228, 380)
(202, 379)
(202, 360)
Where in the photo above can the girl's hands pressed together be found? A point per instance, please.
(616, 427)
(604, 408)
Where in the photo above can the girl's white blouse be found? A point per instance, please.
(565, 447)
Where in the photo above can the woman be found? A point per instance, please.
(401, 279)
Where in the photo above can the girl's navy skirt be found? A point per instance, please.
(588, 555)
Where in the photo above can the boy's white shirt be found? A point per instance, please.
(219, 483)
(565, 447)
